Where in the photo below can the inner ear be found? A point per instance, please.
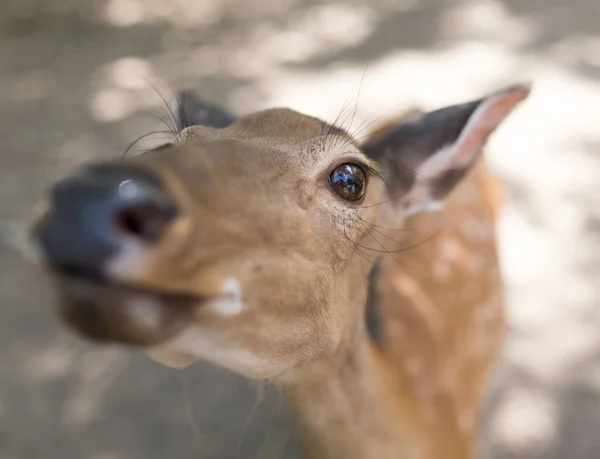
(189, 109)
(423, 158)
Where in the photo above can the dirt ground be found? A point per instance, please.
(77, 81)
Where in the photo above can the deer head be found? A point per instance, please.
(242, 244)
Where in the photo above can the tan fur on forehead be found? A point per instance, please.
(283, 138)
(282, 124)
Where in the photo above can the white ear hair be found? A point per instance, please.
(486, 118)
(454, 159)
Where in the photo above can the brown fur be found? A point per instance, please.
(441, 306)
(256, 209)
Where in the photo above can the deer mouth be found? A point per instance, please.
(110, 312)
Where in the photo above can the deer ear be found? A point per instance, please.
(423, 158)
(189, 109)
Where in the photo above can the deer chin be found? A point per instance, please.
(120, 313)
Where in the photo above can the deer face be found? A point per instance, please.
(240, 245)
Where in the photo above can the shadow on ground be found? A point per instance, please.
(75, 80)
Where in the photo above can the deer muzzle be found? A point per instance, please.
(95, 216)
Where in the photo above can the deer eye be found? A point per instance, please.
(348, 181)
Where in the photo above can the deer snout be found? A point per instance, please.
(96, 212)
(95, 217)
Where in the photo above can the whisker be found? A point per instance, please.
(167, 106)
(261, 396)
(374, 228)
(385, 228)
(362, 79)
(189, 412)
(334, 124)
(388, 252)
(404, 249)
(367, 124)
(353, 245)
(365, 249)
(159, 118)
(131, 145)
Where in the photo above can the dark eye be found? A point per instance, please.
(348, 180)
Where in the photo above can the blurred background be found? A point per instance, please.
(81, 79)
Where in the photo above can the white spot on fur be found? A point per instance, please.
(477, 230)
(451, 250)
(200, 344)
(466, 421)
(231, 303)
(450, 253)
(427, 206)
(128, 262)
(412, 366)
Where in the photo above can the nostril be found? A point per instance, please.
(144, 221)
(100, 209)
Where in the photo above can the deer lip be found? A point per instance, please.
(121, 313)
(95, 280)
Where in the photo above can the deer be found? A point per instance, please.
(359, 276)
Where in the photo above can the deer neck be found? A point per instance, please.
(363, 401)
(344, 407)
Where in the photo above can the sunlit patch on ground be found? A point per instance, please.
(75, 76)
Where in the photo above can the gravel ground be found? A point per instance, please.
(77, 81)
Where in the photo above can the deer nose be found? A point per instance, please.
(99, 210)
